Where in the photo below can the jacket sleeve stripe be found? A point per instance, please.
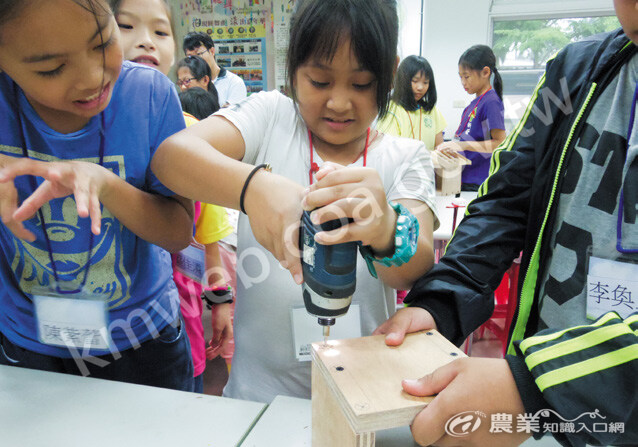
(580, 343)
(587, 367)
(533, 341)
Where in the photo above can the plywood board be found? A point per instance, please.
(365, 376)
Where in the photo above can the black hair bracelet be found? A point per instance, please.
(267, 167)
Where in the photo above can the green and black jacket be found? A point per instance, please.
(576, 370)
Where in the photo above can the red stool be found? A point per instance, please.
(505, 302)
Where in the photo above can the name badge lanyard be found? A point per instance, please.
(619, 246)
(466, 119)
(314, 167)
(420, 123)
(34, 185)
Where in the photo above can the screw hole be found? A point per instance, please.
(339, 368)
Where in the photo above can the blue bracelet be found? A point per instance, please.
(406, 235)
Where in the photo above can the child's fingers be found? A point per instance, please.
(327, 168)
(25, 166)
(96, 214)
(290, 252)
(341, 176)
(34, 202)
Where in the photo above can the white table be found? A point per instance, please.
(446, 215)
(48, 409)
(287, 423)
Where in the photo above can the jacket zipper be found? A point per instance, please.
(519, 329)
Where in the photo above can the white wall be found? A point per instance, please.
(449, 28)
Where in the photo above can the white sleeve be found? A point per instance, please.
(253, 117)
(414, 176)
(237, 90)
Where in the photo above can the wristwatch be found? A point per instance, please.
(406, 235)
(217, 296)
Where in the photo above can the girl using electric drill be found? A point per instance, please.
(325, 158)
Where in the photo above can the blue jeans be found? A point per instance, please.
(164, 361)
(198, 384)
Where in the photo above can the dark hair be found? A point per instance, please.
(192, 40)
(10, 9)
(319, 27)
(198, 102)
(410, 67)
(198, 68)
(478, 57)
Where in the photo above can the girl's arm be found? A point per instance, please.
(201, 163)
(438, 139)
(487, 146)
(164, 221)
(403, 277)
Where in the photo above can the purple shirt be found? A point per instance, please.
(479, 118)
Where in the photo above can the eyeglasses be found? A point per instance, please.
(200, 53)
(185, 82)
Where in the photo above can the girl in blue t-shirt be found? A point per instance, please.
(482, 127)
(84, 262)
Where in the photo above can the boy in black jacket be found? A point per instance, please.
(563, 189)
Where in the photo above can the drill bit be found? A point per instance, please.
(326, 334)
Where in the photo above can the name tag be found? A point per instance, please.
(306, 330)
(611, 286)
(191, 262)
(72, 322)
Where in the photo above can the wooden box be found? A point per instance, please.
(447, 172)
(356, 385)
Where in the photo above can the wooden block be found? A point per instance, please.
(358, 381)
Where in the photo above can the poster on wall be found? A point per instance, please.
(242, 50)
(281, 30)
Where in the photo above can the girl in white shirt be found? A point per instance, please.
(325, 158)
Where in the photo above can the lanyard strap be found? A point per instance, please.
(34, 186)
(314, 167)
(466, 119)
(621, 207)
(420, 123)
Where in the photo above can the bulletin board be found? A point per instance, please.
(242, 50)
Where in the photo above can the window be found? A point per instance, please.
(522, 48)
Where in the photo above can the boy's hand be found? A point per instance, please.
(9, 204)
(467, 385)
(357, 193)
(404, 321)
(86, 181)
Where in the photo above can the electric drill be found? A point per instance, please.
(329, 272)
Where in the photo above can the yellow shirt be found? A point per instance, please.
(418, 125)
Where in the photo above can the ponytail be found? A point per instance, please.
(479, 56)
(498, 83)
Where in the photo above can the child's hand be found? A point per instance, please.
(468, 384)
(86, 181)
(9, 204)
(273, 205)
(449, 147)
(222, 330)
(357, 193)
(404, 321)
